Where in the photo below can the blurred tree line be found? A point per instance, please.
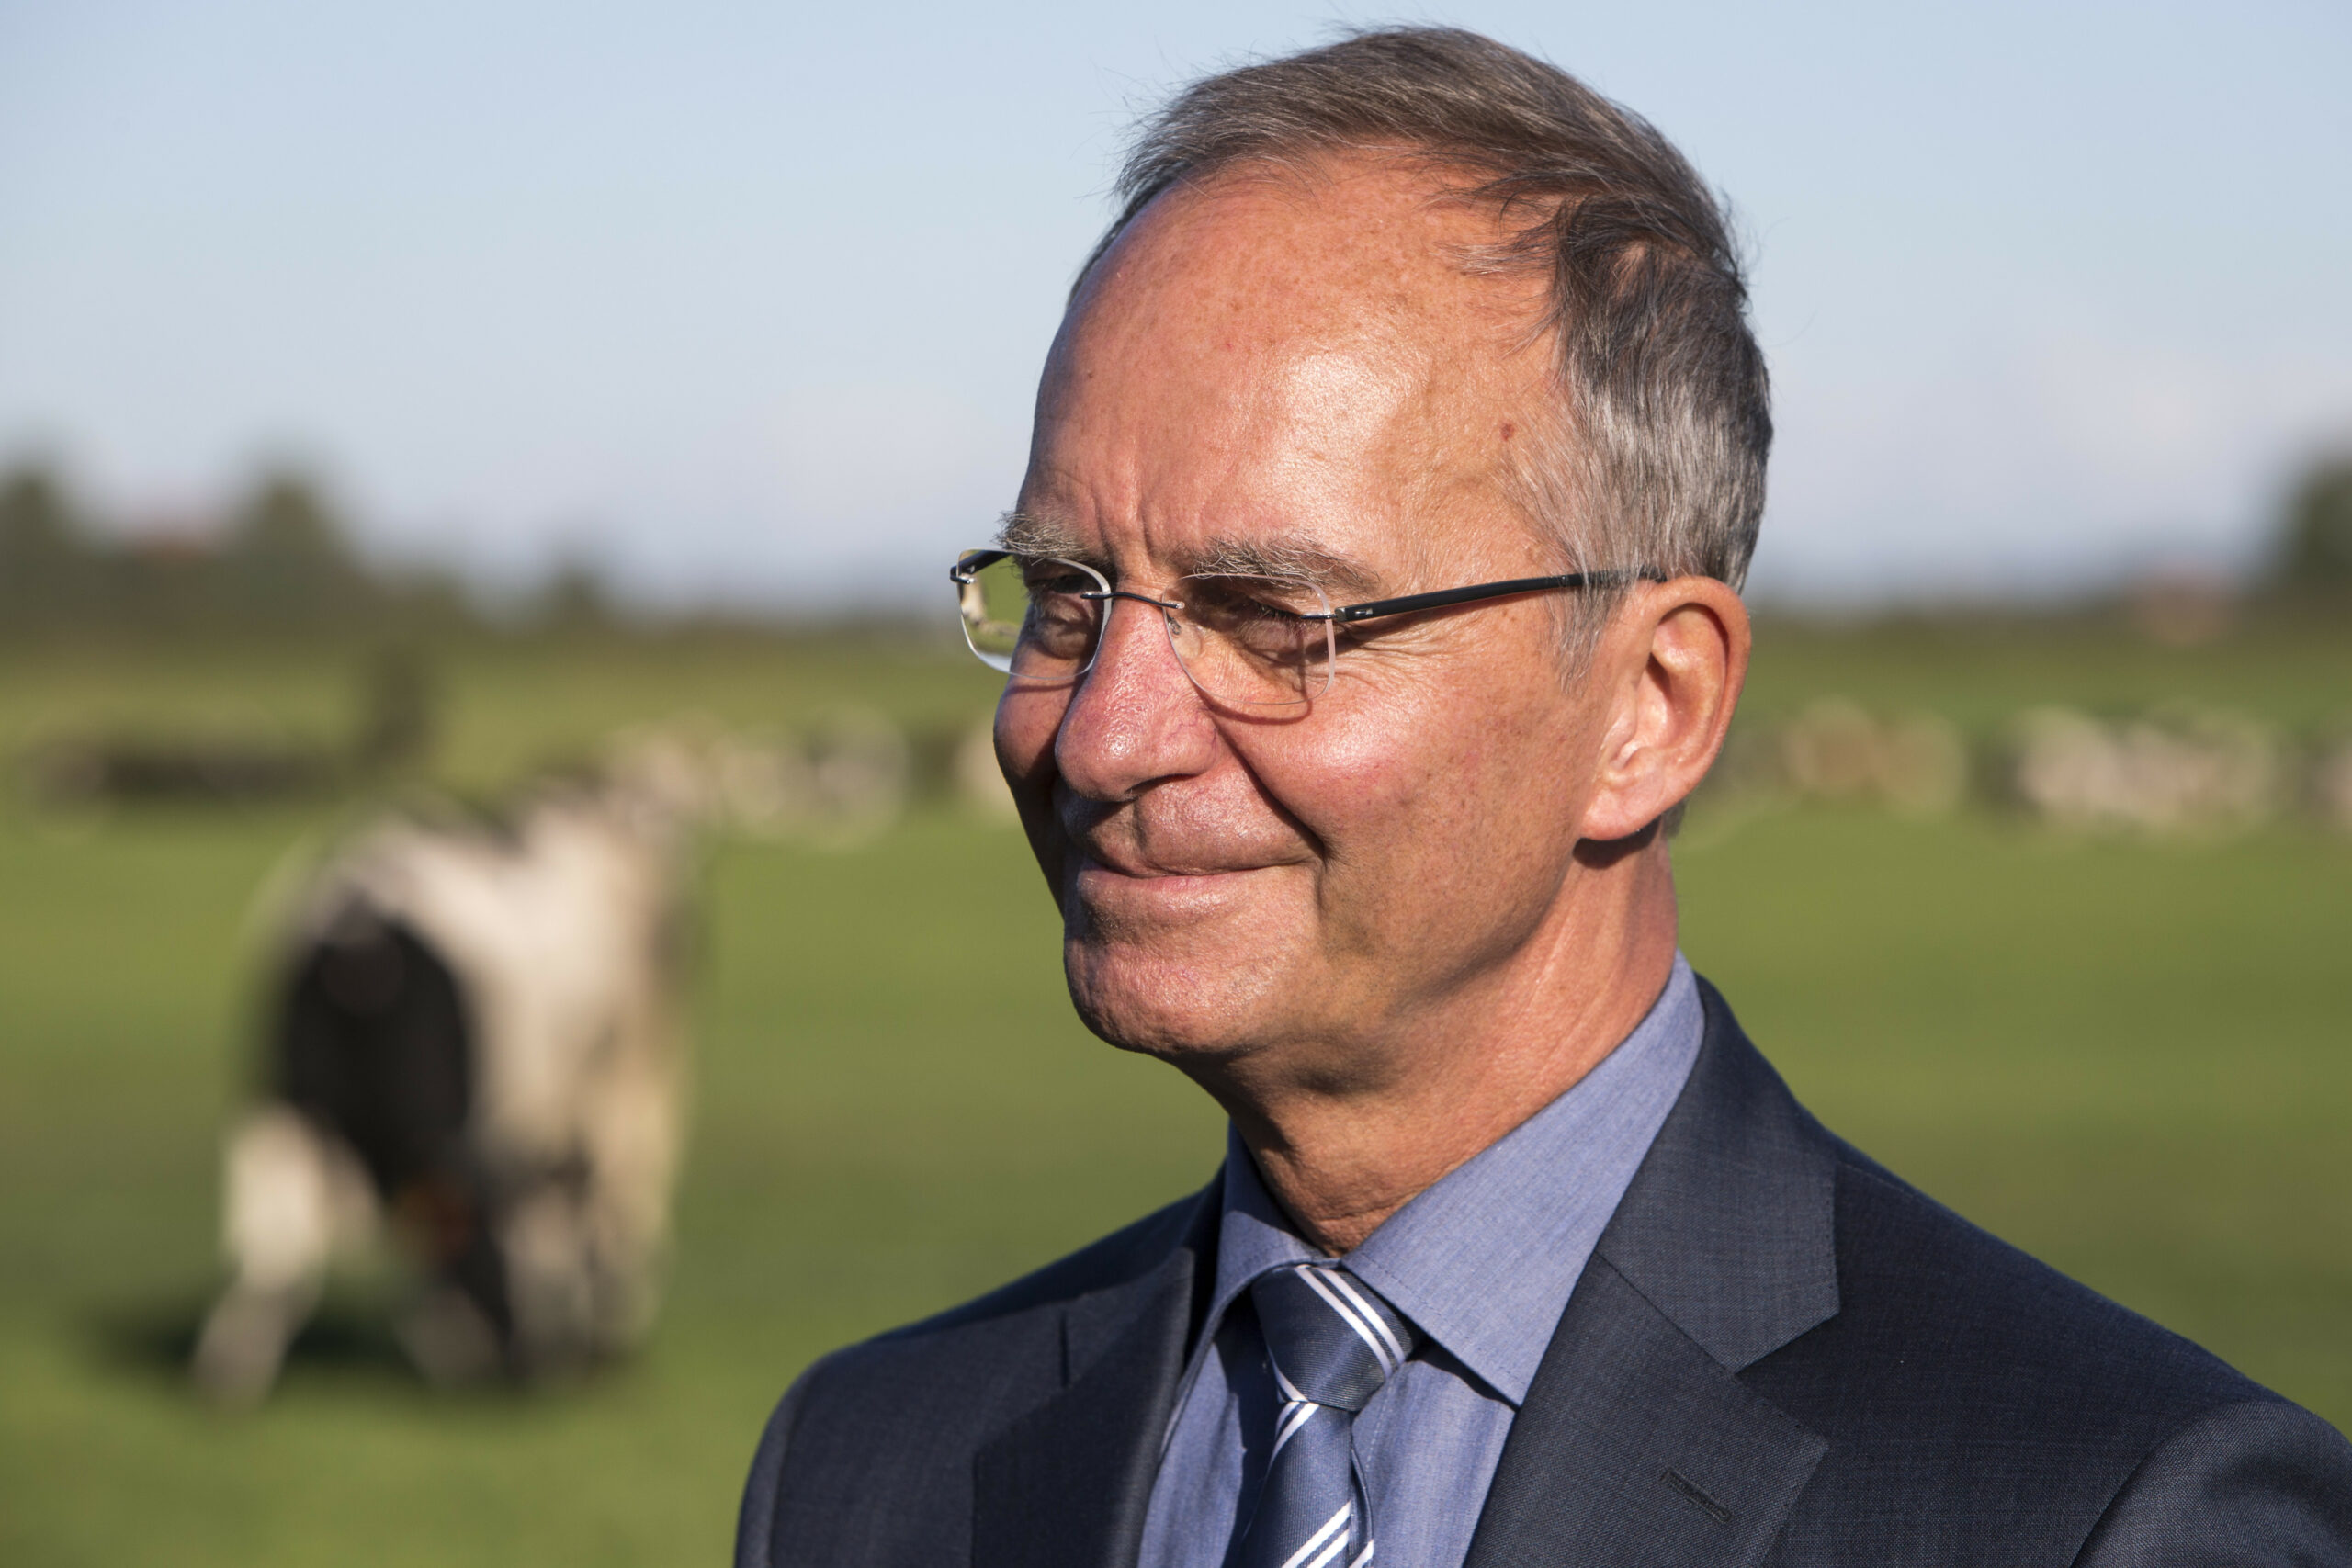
(2314, 555)
(280, 560)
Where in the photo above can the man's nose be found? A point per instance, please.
(1135, 717)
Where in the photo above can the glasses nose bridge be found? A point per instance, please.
(1171, 623)
(1166, 606)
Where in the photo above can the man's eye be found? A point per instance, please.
(1231, 613)
(1268, 601)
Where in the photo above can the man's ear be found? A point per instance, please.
(1674, 659)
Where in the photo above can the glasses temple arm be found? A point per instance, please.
(1348, 614)
(972, 564)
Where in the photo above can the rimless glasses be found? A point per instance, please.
(1245, 641)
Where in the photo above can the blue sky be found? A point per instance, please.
(734, 298)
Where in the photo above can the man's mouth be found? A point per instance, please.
(1144, 869)
(1117, 892)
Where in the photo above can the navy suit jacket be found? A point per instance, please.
(1779, 1353)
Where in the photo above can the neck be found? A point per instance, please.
(1342, 1151)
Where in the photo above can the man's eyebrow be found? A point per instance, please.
(1297, 560)
(1026, 534)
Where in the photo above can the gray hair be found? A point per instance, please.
(1660, 462)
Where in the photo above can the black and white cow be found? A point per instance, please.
(475, 1043)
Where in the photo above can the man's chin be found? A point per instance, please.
(1191, 1006)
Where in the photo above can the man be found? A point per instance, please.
(1369, 610)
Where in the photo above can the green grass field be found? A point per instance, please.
(2134, 1059)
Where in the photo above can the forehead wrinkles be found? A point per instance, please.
(1291, 336)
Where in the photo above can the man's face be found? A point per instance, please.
(1299, 362)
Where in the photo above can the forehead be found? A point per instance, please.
(1302, 354)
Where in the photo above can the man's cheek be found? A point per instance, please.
(1025, 730)
(1023, 736)
(1366, 775)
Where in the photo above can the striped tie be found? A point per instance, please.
(1332, 1343)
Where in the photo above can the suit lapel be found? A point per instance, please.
(1637, 1443)
(1066, 1485)
(1635, 1448)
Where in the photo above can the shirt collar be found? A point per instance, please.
(1484, 1261)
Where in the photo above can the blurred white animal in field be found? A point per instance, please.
(2184, 770)
(475, 1043)
(1836, 752)
(845, 780)
(2332, 785)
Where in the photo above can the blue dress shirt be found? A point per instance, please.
(1483, 1263)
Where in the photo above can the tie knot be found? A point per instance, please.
(1333, 1341)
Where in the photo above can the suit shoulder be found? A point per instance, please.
(2003, 1322)
(1962, 1383)
(868, 1457)
(1125, 1254)
(1012, 1312)
(1956, 1355)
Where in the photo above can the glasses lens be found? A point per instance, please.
(1254, 641)
(1032, 618)
(994, 599)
